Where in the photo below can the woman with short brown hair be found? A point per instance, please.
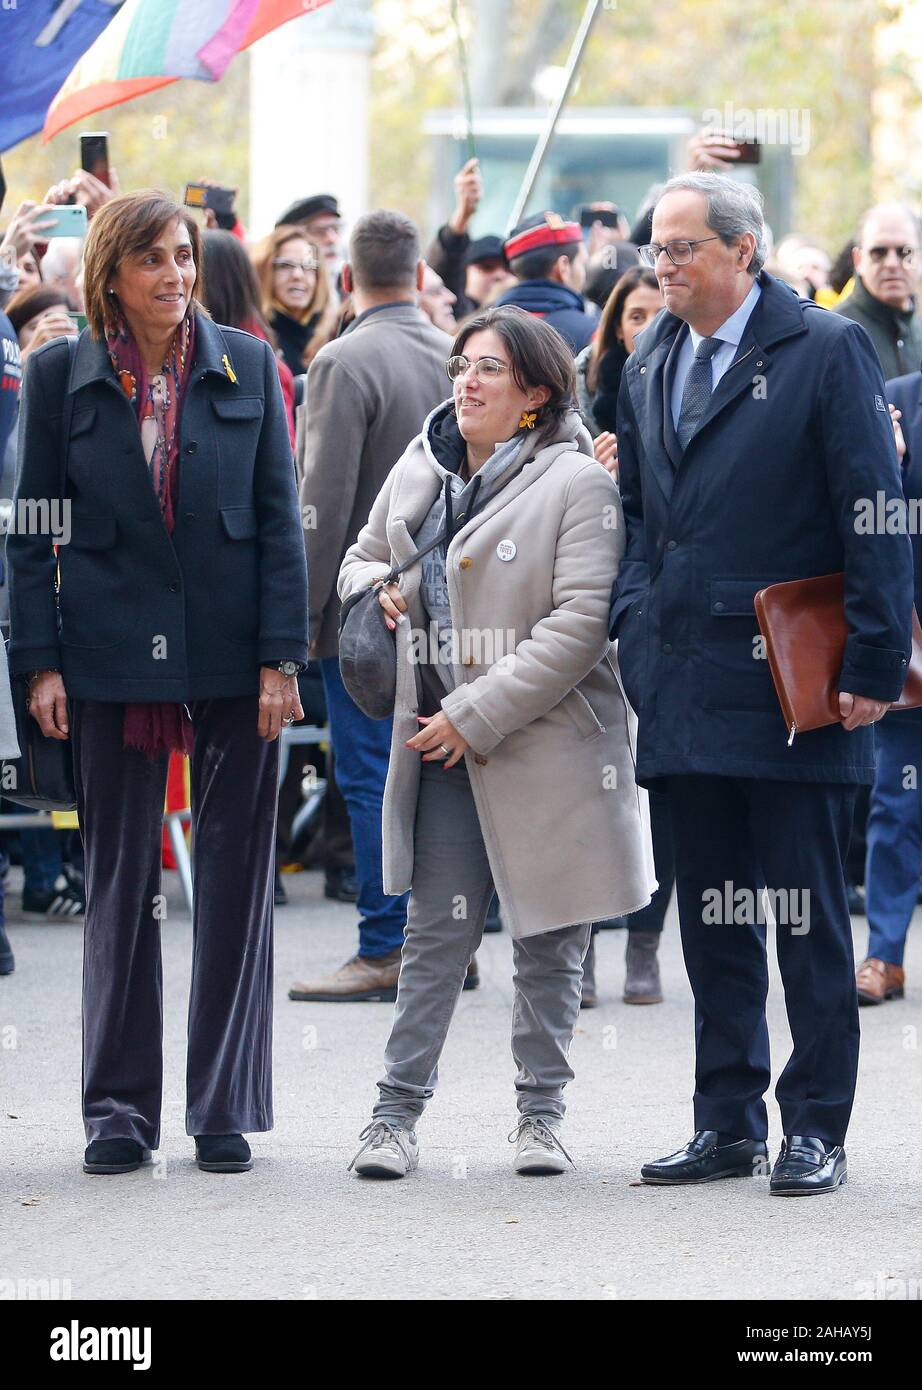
(177, 621)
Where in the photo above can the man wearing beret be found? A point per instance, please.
(320, 219)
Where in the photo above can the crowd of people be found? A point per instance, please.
(640, 425)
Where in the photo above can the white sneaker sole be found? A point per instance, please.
(383, 1167)
(540, 1164)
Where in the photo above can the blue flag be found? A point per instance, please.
(40, 41)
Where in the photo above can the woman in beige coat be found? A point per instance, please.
(511, 762)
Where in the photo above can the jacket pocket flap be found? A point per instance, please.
(82, 420)
(240, 522)
(92, 532)
(733, 598)
(238, 408)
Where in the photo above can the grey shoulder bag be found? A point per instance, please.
(367, 649)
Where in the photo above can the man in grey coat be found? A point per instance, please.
(366, 398)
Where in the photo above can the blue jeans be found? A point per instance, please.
(361, 748)
(894, 836)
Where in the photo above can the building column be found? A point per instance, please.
(309, 82)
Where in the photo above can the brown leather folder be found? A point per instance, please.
(803, 624)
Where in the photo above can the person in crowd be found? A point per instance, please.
(60, 269)
(548, 258)
(749, 423)
(492, 741)
(894, 827)
(10, 379)
(437, 302)
(231, 296)
(474, 270)
(20, 267)
(367, 393)
(604, 269)
(883, 297)
(636, 299)
(296, 300)
(179, 623)
(51, 887)
(886, 265)
(319, 218)
(38, 315)
(803, 264)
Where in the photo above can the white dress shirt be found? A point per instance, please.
(730, 334)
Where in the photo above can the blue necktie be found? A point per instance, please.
(697, 392)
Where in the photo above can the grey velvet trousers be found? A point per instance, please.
(120, 796)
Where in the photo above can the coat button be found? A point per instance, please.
(671, 545)
(191, 446)
(189, 516)
(466, 562)
(719, 607)
(667, 648)
(174, 587)
(480, 760)
(642, 370)
(758, 364)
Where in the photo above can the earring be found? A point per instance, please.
(529, 420)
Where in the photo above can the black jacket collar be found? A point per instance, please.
(91, 360)
(862, 299)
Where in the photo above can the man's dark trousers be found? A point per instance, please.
(120, 793)
(793, 837)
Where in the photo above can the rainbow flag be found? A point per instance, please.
(151, 43)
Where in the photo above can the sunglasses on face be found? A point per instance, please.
(879, 254)
(289, 267)
(485, 368)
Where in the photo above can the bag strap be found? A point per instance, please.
(452, 525)
(67, 417)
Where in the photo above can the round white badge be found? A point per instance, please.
(506, 550)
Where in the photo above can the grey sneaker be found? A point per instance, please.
(389, 1151)
(537, 1148)
(642, 982)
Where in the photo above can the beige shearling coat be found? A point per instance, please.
(551, 758)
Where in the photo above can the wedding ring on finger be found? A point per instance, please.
(446, 751)
(288, 719)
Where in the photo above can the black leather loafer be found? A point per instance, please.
(114, 1156)
(223, 1153)
(703, 1159)
(806, 1166)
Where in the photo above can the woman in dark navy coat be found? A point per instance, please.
(180, 622)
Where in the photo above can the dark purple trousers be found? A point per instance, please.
(120, 796)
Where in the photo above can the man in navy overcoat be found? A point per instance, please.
(753, 428)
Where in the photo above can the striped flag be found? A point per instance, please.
(151, 43)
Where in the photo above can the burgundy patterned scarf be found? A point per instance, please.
(157, 727)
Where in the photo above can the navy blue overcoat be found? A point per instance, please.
(773, 486)
(143, 615)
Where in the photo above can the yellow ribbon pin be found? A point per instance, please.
(228, 368)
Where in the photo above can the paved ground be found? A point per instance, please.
(300, 1226)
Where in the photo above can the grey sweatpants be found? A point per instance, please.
(451, 891)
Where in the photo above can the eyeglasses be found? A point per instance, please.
(485, 368)
(290, 266)
(879, 254)
(679, 252)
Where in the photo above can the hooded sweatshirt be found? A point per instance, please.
(446, 451)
